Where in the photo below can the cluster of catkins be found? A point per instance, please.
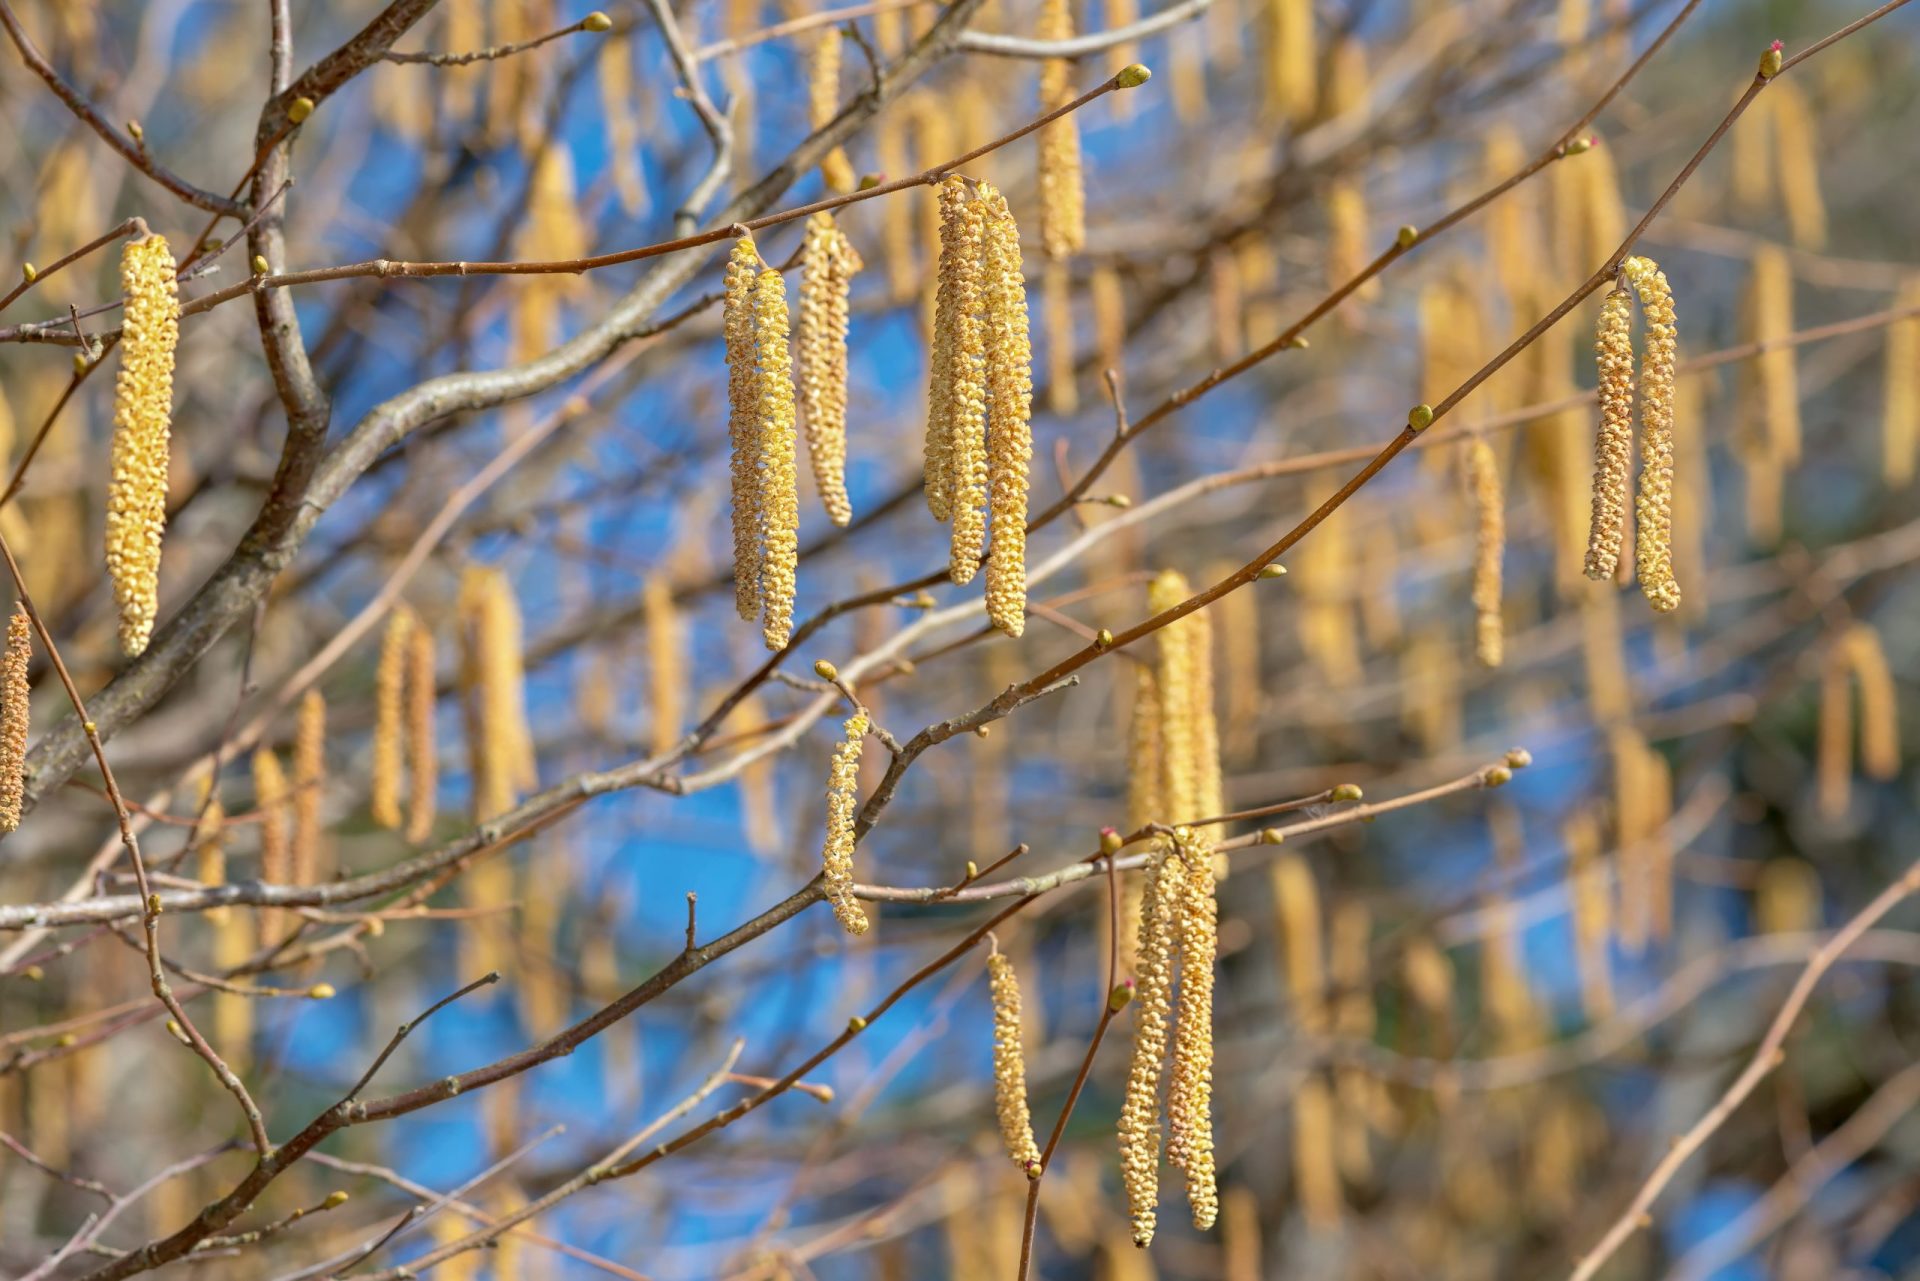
(1175, 759)
(980, 396)
(1613, 445)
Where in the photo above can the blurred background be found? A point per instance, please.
(1452, 1041)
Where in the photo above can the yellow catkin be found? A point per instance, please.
(666, 663)
(1786, 897)
(1592, 915)
(232, 1013)
(1900, 393)
(779, 478)
(1291, 60)
(843, 782)
(1879, 704)
(276, 867)
(1063, 219)
(1009, 373)
(501, 745)
(1146, 795)
(957, 395)
(827, 266)
(1796, 153)
(423, 750)
(210, 847)
(1063, 390)
(1347, 253)
(1316, 1174)
(1771, 321)
(1296, 905)
(1152, 1009)
(1109, 299)
(1240, 1234)
(744, 419)
(1613, 443)
(1190, 1083)
(309, 783)
(1489, 546)
(13, 717)
(623, 126)
(389, 717)
(823, 103)
(142, 417)
(1010, 1065)
(552, 229)
(1653, 539)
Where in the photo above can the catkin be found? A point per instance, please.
(1063, 220)
(501, 745)
(823, 103)
(1490, 544)
(1291, 60)
(744, 416)
(1833, 743)
(1010, 1065)
(210, 858)
(1771, 310)
(779, 480)
(270, 798)
(1797, 157)
(1140, 1108)
(1009, 370)
(1900, 392)
(666, 663)
(309, 781)
(827, 266)
(142, 414)
(960, 383)
(1190, 1085)
(1315, 1172)
(423, 752)
(1653, 535)
(1592, 915)
(389, 715)
(843, 780)
(1613, 444)
(1879, 703)
(1296, 902)
(13, 717)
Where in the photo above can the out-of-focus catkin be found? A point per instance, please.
(1316, 1173)
(1489, 547)
(1900, 391)
(142, 417)
(779, 478)
(1613, 444)
(1653, 535)
(1797, 156)
(1296, 904)
(270, 798)
(827, 266)
(389, 717)
(423, 750)
(13, 717)
(1592, 915)
(1009, 369)
(1063, 223)
(1291, 59)
(210, 847)
(501, 746)
(309, 782)
(667, 678)
(1770, 309)
(823, 103)
(1010, 1065)
(843, 781)
(1879, 703)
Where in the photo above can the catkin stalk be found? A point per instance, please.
(142, 416)
(843, 781)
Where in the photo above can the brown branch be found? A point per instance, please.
(593, 22)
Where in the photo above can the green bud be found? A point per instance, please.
(1419, 417)
(596, 21)
(1132, 76)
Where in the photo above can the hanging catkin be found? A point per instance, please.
(1296, 904)
(1900, 391)
(1653, 538)
(1489, 546)
(827, 266)
(142, 414)
(1063, 225)
(1771, 311)
(13, 717)
(1152, 1005)
(309, 783)
(1879, 703)
(1613, 444)
(500, 744)
(423, 751)
(1291, 59)
(1009, 370)
(623, 127)
(389, 716)
(666, 664)
(957, 393)
(210, 846)
(779, 478)
(1190, 1086)
(823, 103)
(1592, 915)
(1146, 797)
(744, 418)
(1316, 1173)
(843, 781)
(1797, 161)
(1010, 1065)
(270, 798)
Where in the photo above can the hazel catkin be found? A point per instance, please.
(389, 715)
(1009, 361)
(827, 266)
(142, 415)
(1613, 445)
(1489, 547)
(744, 390)
(843, 779)
(13, 717)
(1063, 219)
(779, 480)
(1010, 1065)
(1653, 538)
